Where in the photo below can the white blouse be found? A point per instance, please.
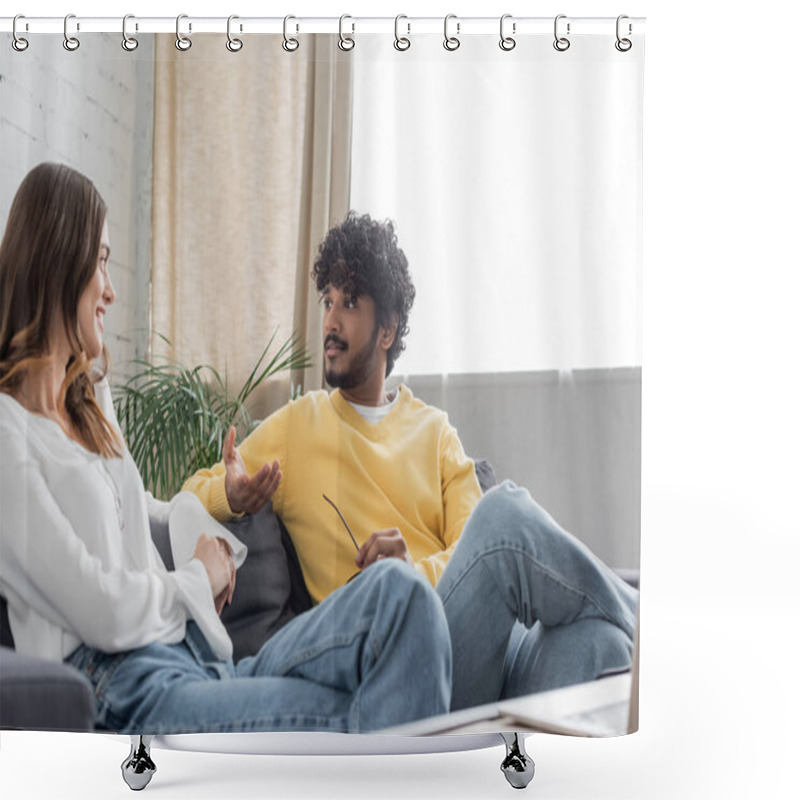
(77, 564)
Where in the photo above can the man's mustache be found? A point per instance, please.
(332, 338)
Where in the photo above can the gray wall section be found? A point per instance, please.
(92, 110)
(573, 439)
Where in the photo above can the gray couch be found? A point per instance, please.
(270, 591)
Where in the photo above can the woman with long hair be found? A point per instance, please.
(81, 576)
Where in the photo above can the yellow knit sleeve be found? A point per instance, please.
(209, 486)
(460, 494)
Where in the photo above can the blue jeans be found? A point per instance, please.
(346, 665)
(528, 606)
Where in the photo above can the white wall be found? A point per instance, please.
(93, 111)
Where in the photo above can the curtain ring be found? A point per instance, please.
(183, 43)
(561, 43)
(289, 44)
(623, 45)
(233, 44)
(18, 43)
(129, 43)
(401, 43)
(346, 42)
(507, 42)
(70, 42)
(451, 43)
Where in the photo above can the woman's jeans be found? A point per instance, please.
(375, 653)
(528, 606)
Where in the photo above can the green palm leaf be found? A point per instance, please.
(174, 417)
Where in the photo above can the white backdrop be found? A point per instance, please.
(514, 181)
(721, 603)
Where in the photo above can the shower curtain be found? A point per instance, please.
(510, 166)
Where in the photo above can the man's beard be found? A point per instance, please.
(362, 365)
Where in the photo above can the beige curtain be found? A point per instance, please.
(326, 182)
(250, 168)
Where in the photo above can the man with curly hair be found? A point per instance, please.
(360, 474)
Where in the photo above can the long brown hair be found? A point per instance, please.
(47, 258)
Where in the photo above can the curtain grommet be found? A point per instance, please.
(507, 43)
(401, 43)
(182, 43)
(623, 44)
(71, 43)
(561, 43)
(233, 44)
(19, 43)
(451, 43)
(129, 43)
(289, 44)
(346, 43)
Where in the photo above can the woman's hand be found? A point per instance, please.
(247, 493)
(215, 555)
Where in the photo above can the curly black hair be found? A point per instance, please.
(360, 256)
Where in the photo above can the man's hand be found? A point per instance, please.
(383, 544)
(247, 493)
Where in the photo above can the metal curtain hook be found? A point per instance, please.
(129, 43)
(346, 42)
(233, 44)
(507, 42)
(561, 43)
(182, 42)
(70, 42)
(401, 42)
(451, 42)
(289, 44)
(623, 45)
(18, 43)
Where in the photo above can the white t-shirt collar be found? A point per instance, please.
(375, 414)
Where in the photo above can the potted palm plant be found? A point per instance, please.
(174, 417)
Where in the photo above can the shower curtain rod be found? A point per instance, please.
(461, 26)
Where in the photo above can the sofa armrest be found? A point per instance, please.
(42, 695)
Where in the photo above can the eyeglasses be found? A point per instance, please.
(344, 521)
(347, 528)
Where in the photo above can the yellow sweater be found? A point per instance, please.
(408, 471)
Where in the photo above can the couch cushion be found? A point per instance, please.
(38, 695)
(270, 589)
(484, 471)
